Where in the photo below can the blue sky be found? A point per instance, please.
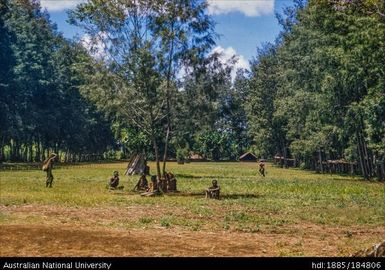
(243, 25)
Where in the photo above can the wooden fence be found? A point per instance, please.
(334, 166)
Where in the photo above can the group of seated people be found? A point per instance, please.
(165, 184)
(155, 187)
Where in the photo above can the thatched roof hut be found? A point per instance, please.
(248, 157)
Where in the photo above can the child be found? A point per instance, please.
(114, 181)
(213, 191)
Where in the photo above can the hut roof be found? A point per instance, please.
(248, 156)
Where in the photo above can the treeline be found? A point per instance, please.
(150, 82)
(41, 108)
(318, 93)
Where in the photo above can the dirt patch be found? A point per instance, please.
(42, 240)
(71, 231)
(83, 216)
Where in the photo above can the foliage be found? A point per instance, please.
(150, 83)
(182, 154)
(317, 93)
(41, 108)
(143, 44)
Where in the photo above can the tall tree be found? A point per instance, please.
(186, 34)
(144, 42)
(260, 102)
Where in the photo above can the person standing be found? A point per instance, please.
(262, 167)
(47, 167)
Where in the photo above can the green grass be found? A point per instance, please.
(249, 202)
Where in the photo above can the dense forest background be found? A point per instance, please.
(149, 82)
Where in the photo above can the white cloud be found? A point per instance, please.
(251, 8)
(58, 5)
(96, 46)
(226, 54)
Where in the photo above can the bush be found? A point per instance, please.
(181, 155)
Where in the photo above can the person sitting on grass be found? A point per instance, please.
(114, 181)
(153, 189)
(142, 183)
(213, 191)
(171, 182)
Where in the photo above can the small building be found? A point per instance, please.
(195, 157)
(248, 157)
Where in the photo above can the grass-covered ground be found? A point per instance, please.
(288, 213)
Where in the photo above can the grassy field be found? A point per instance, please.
(288, 213)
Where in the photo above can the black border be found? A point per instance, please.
(298, 263)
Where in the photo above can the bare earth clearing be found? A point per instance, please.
(83, 237)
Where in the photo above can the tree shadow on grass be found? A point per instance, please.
(236, 196)
(191, 176)
(185, 194)
(120, 192)
(201, 177)
(233, 196)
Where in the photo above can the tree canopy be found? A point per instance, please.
(318, 90)
(145, 78)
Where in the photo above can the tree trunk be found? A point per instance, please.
(166, 149)
(283, 151)
(320, 161)
(66, 154)
(156, 151)
(14, 151)
(168, 104)
(37, 154)
(25, 153)
(18, 151)
(361, 154)
(368, 160)
(2, 158)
